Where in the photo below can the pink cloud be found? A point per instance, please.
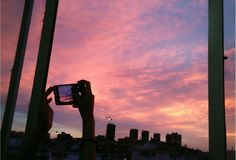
(111, 51)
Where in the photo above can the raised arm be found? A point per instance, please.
(85, 104)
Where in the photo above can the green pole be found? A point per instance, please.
(41, 72)
(217, 129)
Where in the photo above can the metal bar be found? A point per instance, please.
(15, 77)
(43, 60)
(217, 129)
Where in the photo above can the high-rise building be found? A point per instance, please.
(145, 136)
(157, 137)
(174, 138)
(110, 132)
(133, 134)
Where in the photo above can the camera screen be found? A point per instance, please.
(65, 93)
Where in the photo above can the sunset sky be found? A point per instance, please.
(146, 61)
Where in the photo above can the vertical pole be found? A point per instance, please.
(15, 77)
(217, 129)
(43, 60)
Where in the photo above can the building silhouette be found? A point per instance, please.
(110, 132)
(145, 136)
(65, 146)
(133, 134)
(174, 138)
(157, 137)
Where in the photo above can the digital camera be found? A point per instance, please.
(68, 94)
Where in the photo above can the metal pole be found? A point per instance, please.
(43, 60)
(217, 129)
(15, 77)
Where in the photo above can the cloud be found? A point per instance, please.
(11, 22)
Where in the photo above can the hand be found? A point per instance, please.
(45, 113)
(85, 103)
(45, 118)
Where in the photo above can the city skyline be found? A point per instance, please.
(147, 63)
(122, 148)
(110, 135)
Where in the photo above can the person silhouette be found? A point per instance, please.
(85, 105)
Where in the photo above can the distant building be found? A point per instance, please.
(157, 137)
(145, 136)
(110, 132)
(101, 143)
(64, 137)
(133, 134)
(100, 138)
(124, 147)
(174, 138)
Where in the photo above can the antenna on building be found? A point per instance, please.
(109, 118)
